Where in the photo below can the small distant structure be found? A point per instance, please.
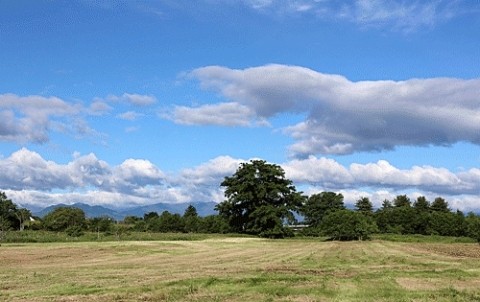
(297, 227)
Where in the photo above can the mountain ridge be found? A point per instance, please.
(91, 211)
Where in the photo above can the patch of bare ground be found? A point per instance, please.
(436, 283)
(456, 250)
(309, 272)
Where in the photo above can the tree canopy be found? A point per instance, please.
(364, 205)
(260, 200)
(348, 225)
(319, 205)
(11, 216)
(63, 218)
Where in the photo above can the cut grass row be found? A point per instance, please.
(240, 269)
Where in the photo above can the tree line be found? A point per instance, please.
(74, 222)
(261, 201)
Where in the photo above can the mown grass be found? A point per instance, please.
(220, 268)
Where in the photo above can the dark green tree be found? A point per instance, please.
(364, 206)
(191, 220)
(402, 201)
(386, 204)
(131, 219)
(11, 216)
(440, 205)
(348, 225)
(259, 200)
(149, 216)
(473, 226)
(319, 205)
(134, 223)
(443, 223)
(166, 222)
(421, 218)
(8, 213)
(460, 224)
(421, 204)
(214, 224)
(100, 224)
(397, 218)
(63, 218)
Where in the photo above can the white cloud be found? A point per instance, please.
(259, 4)
(344, 116)
(30, 118)
(133, 99)
(87, 171)
(328, 173)
(138, 172)
(98, 107)
(211, 172)
(30, 179)
(224, 114)
(26, 169)
(129, 115)
(318, 170)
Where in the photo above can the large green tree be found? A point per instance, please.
(260, 200)
(319, 205)
(64, 218)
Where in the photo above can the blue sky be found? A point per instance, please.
(121, 103)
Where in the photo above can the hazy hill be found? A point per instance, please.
(203, 209)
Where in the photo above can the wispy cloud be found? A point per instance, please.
(223, 114)
(98, 107)
(133, 99)
(129, 115)
(405, 16)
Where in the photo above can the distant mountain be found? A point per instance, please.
(203, 209)
(90, 211)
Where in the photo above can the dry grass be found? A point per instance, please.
(240, 269)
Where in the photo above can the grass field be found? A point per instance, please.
(240, 269)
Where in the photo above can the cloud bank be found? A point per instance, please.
(343, 116)
(30, 179)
